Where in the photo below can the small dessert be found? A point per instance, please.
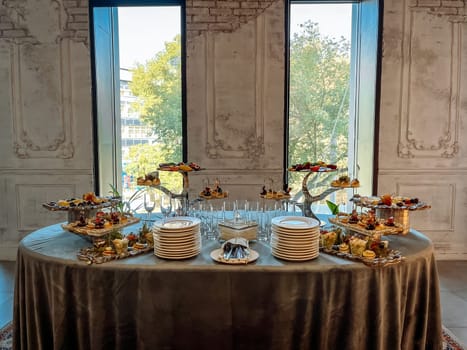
(328, 238)
(354, 217)
(386, 199)
(63, 203)
(355, 183)
(132, 239)
(108, 251)
(357, 246)
(82, 221)
(344, 248)
(121, 245)
(151, 179)
(139, 245)
(390, 221)
(368, 254)
(206, 193)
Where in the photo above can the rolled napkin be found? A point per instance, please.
(235, 249)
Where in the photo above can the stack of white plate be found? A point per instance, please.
(177, 238)
(295, 238)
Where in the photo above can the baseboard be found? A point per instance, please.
(8, 251)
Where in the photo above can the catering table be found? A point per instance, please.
(145, 302)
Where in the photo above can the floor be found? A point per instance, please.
(453, 290)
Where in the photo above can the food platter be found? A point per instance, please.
(392, 257)
(389, 202)
(380, 229)
(80, 204)
(98, 232)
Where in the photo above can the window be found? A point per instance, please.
(332, 52)
(138, 80)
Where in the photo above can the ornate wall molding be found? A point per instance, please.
(33, 139)
(424, 104)
(219, 123)
(29, 198)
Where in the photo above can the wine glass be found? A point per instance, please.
(166, 206)
(149, 203)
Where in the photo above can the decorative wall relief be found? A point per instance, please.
(430, 85)
(441, 197)
(29, 198)
(235, 86)
(41, 90)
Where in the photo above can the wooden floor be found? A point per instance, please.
(453, 288)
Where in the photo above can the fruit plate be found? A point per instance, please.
(391, 258)
(79, 204)
(98, 232)
(321, 169)
(380, 229)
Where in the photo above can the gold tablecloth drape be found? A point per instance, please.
(148, 303)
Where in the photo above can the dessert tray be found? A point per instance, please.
(360, 227)
(315, 167)
(180, 167)
(372, 251)
(345, 182)
(91, 255)
(392, 257)
(89, 201)
(88, 232)
(390, 202)
(116, 246)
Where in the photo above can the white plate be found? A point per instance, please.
(294, 258)
(296, 237)
(177, 243)
(176, 252)
(177, 256)
(296, 252)
(176, 235)
(176, 239)
(302, 249)
(216, 255)
(295, 222)
(310, 243)
(179, 223)
(294, 232)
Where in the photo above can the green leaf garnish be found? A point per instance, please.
(333, 207)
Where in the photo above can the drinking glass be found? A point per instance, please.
(149, 203)
(166, 206)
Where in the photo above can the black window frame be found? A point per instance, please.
(380, 11)
(135, 3)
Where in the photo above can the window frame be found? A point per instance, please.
(359, 11)
(131, 3)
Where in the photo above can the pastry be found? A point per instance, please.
(357, 246)
(368, 254)
(328, 239)
(344, 248)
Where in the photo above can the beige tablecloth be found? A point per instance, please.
(149, 303)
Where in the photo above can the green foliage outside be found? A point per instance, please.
(319, 100)
(157, 85)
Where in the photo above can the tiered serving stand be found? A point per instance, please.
(309, 199)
